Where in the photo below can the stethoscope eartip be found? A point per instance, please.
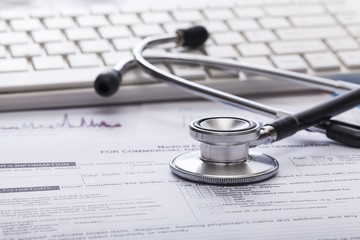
(107, 83)
(192, 37)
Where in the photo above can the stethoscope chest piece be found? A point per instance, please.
(224, 156)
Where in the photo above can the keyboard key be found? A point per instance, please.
(13, 14)
(322, 61)
(192, 5)
(2, 52)
(218, 14)
(25, 25)
(59, 23)
(263, 61)
(297, 47)
(46, 63)
(274, 23)
(134, 8)
(338, 44)
(3, 26)
(173, 27)
(191, 72)
(277, 2)
(92, 21)
(44, 36)
(147, 30)
(84, 60)
(42, 13)
(124, 19)
(215, 26)
(217, 74)
(157, 17)
(250, 12)
(222, 51)
(95, 46)
(104, 9)
(253, 49)
(112, 58)
(309, 1)
(290, 62)
(25, 50)
(76, 34)
(187, 16)
(260, 36)
(354, 30)
(337, 8)
(74, 12)
(351, 59)
(227, 38)
(136, 76)
(14, 65)
(111, 32)
(60, 48)
(348, 19)
(243, 24)
(294, 10)
(13, 38)
(220, 4)
(249, 3)
(310, 33)
(313, 21)
(163, 6)
(122, 44)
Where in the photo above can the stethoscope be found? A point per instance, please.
(224, 156)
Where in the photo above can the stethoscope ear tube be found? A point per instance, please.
(289, 125)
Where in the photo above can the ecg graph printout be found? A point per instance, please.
(105, 122)
(79, 180)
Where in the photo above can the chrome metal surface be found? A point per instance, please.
(224, 139)
(224, 153)
(256, 168)
(267, 135)
(224, 130)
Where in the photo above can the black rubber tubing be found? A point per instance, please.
(289, 125)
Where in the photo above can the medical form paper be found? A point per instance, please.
(59, 186)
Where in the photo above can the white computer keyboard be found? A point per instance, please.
(49, 57)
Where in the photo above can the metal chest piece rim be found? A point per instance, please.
(224, 156)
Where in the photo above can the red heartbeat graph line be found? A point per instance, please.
(65, 123)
